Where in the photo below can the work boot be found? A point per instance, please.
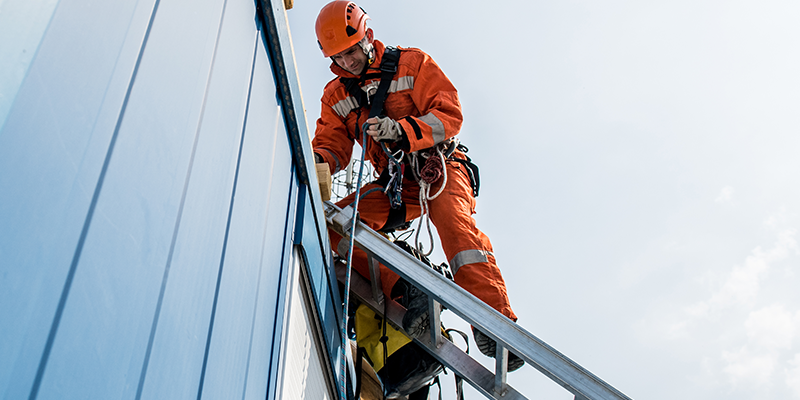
(416, 319)
(488, 347)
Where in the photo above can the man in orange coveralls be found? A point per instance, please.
(421, 117)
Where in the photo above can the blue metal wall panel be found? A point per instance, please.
(107, 318)
(275, 261)
(22, 25)
(265, 156)
(180, 328)
(52, 149)
(148, 202)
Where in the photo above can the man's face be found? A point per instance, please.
(353, 60)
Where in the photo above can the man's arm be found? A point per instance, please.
(331, 143)
(437, 100)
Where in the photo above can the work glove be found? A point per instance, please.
(384, 129)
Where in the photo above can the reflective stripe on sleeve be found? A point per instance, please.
(343, 107)
(402, 83)
(468, 257)
(437, 128)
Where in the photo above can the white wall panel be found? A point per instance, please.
(302, 364)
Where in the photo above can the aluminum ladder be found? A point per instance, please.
(441, 291)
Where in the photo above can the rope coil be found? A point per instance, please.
(433, 170)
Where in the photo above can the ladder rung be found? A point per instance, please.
(434, 313)
(375, 279)
(500, 369)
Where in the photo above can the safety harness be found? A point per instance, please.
(428, 166)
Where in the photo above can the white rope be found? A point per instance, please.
(424, 197)
(423, 203)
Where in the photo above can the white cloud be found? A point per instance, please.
(781, 218)
(770, 333)
(677, 330)
(742, 285)
(752, 350)
(771, 328)
(793, 375)
(725, 196)
(744, 282)
(747, 366)
(698, 310)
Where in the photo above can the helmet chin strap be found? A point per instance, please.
(369, 51)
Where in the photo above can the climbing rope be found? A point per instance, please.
(349, 268)
(434, 169)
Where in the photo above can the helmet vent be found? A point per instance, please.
(351, 31)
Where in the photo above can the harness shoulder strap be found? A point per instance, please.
(388, 68)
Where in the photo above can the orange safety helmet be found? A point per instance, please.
(340, 25)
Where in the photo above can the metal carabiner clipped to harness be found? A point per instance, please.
(394, 189)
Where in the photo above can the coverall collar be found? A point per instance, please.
(374, 67)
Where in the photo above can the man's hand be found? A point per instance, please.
(384, 129)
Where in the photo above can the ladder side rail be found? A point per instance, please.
(536, 352)
(541, 356)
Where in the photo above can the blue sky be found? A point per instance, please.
(639, 178)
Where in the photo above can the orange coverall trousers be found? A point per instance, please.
(468, 250)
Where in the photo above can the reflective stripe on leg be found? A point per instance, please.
(468, 257)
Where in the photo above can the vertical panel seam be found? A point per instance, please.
(261, 259)
(176, 229)
(227, 233)
(90, 213)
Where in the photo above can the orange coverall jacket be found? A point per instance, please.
(425, 103)
(421, 99)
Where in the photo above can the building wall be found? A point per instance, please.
(153, 191)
